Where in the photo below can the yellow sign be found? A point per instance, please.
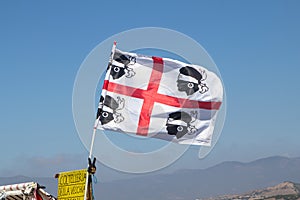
(71, 185)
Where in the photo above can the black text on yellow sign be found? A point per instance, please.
(71, 185)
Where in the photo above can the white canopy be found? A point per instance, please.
(24, 191)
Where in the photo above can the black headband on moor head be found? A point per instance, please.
(180, 115)
(190, 71)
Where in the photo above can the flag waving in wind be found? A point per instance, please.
(159, 97)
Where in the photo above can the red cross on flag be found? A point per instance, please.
(159, 97)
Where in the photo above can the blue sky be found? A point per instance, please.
(255, 44)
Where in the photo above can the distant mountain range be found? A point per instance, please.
(285, 190)
(225, 178)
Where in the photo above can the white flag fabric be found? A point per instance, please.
(159, 97)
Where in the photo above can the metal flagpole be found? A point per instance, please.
(97, 121)
(96, 124)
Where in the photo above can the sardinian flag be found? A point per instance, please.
(159, 97)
